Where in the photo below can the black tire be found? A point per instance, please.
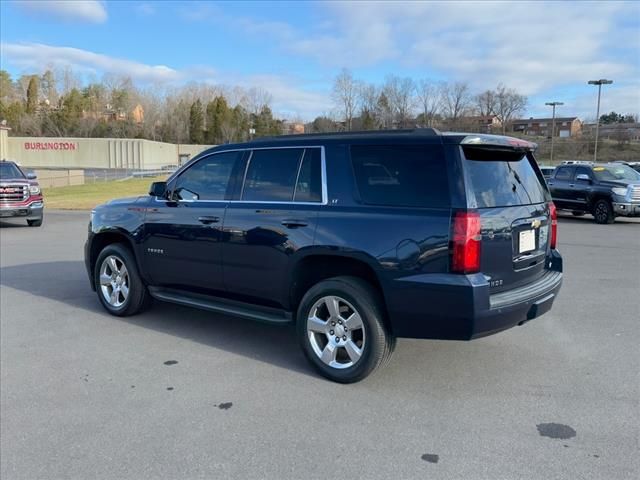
(35, 223)
(138, 298)
(378, 341)
(577, 213)
(603, 212)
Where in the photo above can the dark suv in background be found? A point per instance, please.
(604, 190)
(20, 195)
(358, 238)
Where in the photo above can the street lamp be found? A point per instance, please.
(553, 123)
(602, 81)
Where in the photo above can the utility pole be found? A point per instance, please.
(602, 81)
(553, 124)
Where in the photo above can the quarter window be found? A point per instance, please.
(207, 179)
(401, 175)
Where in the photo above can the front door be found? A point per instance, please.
(273, 218)
(183, 233)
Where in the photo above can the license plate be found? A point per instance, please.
(527, 241)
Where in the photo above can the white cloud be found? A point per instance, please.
(35, 56)
(92, 11)
(531, 46)
(290, 97)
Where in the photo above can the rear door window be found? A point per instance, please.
(564, 174)
(401, 175)
(271, 175)
(500, 179)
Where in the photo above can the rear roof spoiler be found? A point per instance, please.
(498, 142)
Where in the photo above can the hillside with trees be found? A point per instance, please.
(57, 104)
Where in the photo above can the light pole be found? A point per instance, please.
(602, 81)
(553, 123)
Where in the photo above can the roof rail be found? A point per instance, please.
(576, 162)
(430, 132)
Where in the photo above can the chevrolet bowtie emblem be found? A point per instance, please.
(535, 224)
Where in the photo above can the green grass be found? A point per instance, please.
(87, 196)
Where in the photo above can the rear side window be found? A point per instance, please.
(564, 173)
(500, 179)
(271, 175)
(401, 175)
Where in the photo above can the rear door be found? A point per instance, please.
(512, 199)
(273, 216)
(561, 186)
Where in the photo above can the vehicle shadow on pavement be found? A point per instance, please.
(272, 344)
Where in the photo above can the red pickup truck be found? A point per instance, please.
(20, 194)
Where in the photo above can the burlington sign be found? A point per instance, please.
(50, 145)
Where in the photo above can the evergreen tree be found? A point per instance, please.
(196, 123)
(32, 95)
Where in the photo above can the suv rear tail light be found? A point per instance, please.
(466, 241)
(554, 224)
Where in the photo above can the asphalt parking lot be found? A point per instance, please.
(181, 393)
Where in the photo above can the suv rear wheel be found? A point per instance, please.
(603, 211)
(341, 329)
(118, 283)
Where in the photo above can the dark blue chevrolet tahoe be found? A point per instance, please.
(357, 238)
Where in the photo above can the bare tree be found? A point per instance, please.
(400, 93)
(345, 94)
(368, 100)
(486, 103)
(428, 96)
(255, 99)
(456, 100)
(509, 103)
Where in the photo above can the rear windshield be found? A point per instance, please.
(500, 179)
(401, 175)
(9, 170)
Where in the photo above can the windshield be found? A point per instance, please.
(615, 172)
(9, 170)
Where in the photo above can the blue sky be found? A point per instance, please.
(546, 50)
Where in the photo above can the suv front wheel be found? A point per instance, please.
(340, 324)
(118, 283)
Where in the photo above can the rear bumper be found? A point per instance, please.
(626, 209)
(460, 307)
(30, 211)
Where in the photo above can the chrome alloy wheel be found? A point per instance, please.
(336, 332)
(114, 281)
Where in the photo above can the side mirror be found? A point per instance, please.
(583, 177)
(31, 176)
(158, 189)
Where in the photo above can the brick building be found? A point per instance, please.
(541, 127)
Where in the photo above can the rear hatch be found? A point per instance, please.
(508, 190)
